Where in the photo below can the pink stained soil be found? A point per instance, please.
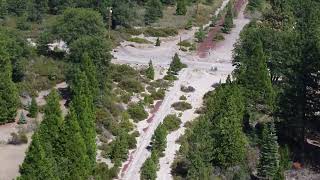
(125, 167)
(208, 43)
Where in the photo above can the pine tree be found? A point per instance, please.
(74, 153)
(228, 21)
(150, 71)
(36, 9)
(33, 109)
(149, 170)
(90, 70)
(159, 139)
(9, 99)
(37, 164)
(176, 65)
(153, 11)
(22, 119)
(83, 104)
(269, 155)
(158, 42)
(256, 80)
(181, 7)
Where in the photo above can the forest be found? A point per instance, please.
(261, 122)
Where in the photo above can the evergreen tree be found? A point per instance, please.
(22, 119)
(9, 100)
(149, 170)
(36, 9)
(181, 7)
(83, 104)
(269, 155)
(3, 8)
(159, 139)
(90, 70)
(150, 71)
(176, 65)
(255, 78)
(200, 34)
(228, 21)
(33, 109)
(153, 11)
(158, 42)
(76, 161)
(37, 165)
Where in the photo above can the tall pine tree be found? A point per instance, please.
(269, 155)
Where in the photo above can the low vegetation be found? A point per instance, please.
(139, 40)
(181, 106)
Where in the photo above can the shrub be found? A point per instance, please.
(218, 37)
(181, 106)
(148, 100)
(139, 40)
(188, 89)
(160, 32)
(121, 72)
(172, 122)
(183, 98)
(131, 85)
(200, 34)
(17, 139)
(137, 112)
(170, 77)
(158, 42)
(185, 43)
(158, 95)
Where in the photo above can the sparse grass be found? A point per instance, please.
(181, 106)
(185, 43)
(139, 40)
(160, 32)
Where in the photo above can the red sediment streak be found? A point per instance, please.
(208, 43)
(154, 110)
(145, 129)
(125, 167)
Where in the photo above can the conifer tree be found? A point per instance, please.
(33, 109)
(176, 65)
(36, 9)
(150, 71)
(269, 155)
(228, 21)
(159, 138)
(76, 161)
(153, 11)
(37, 165)
(158, 42)
(181, 7)
(255, 78)
(22, 119)
(149, 170)
(83, 104)
(9, 100)
(90, 71)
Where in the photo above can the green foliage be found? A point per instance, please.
(176, 65)
(185, 43)
(149, 170)
(36, 9)
(228, 21)
(67, 26)
(131, 85)
(159, 139)
(181, 7)
(23, 24)
(9, 100)
(153, 11)
(200, 34)
(183, 98)
(139, 40)
(33, 109)
(158, 42)
(22, 119)
(150, 71)
(37, 164)
(137, 112)
(181, 106)
(171, 122)
(160, 32)
(269, 155)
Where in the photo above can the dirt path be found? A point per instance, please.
(200, 82)
(199, 74)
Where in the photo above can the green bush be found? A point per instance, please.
(158, 95)
(183, 98)
(218, 37)
(139, 40)
(148, 100)
(131, 85)
(160, 32)
(171, 122)
(137, 112)
(181, 106)
(170, 77)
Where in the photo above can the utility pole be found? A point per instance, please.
(110, 21)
